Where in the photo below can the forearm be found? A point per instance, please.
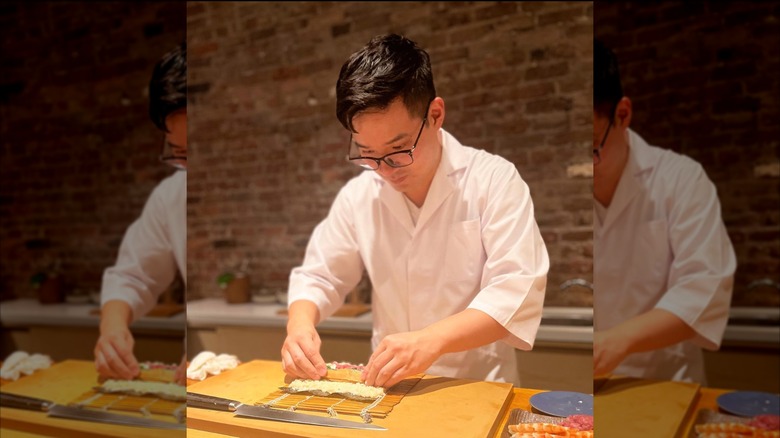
(302, 312)
(652, 330)
(115, 313)
(464, 331)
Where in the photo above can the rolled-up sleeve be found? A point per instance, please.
(332, 265)
(701, 276)
(514, 277)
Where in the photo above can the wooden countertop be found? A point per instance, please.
(62, 383)
(521, 399)
(436, 406)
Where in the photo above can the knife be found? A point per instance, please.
(54, 410)
(223, 404)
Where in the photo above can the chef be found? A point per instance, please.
(663, 263)
(154, 246)
(446, 233)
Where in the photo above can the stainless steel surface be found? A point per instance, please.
(295, 417)
(204, 401)
(54, 410)
(106, 417)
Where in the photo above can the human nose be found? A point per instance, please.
(385, 170)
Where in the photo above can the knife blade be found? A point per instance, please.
(52, 409)
(223, 404)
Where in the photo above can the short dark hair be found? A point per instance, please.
(388, 67)
(607, 90)
(168, 86)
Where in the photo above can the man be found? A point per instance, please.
(663, 263)
(446, 233)
(155, 245)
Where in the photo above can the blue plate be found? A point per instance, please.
(750, 403)
(563, 403)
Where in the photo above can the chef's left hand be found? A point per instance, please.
(180, 377)
(609, 349)
(399, 356)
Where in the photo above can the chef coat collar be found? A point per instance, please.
(641, 160)
(453, 159)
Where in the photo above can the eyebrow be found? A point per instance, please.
(174, 145)
(395, 139)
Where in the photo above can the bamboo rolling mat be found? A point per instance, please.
(130, 403)
(336, 404)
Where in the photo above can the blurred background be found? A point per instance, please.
(703, 80)
(267, 153)
(79, 159)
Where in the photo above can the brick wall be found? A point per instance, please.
(79, 153)
(703, 77)
(266, 151)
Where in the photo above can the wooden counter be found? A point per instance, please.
(435, 406)
(63, 383)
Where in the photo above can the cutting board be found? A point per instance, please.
(629, 407)
(436, 406)
(62, 383)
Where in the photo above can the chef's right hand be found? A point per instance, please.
(301, 352)
(114, 353)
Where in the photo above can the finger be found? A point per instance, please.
(598, 366)
(124, 350)
(379, 363)
(399, 375)
(372, 360)
(388, 371)
(313, 354)
(289, 365)
(179, 375)
(117, 366)
(302, 362)
(100, 364)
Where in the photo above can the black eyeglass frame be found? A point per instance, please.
(171, 160)
(379, 160)
(597, 151)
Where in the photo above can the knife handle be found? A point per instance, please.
(210, 402)
(22, 402)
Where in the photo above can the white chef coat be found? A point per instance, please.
(153, 247)
(662, 245)
(475, 245)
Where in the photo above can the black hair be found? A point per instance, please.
(607, 90)
(387, 67)
(168, 86)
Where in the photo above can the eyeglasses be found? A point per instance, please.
(168, 157)
(395, 159)
(597, 151)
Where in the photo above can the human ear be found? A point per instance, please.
(436, 113)
(623, 113)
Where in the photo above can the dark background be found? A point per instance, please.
(267, 153)
(703, 79)
(79, 153)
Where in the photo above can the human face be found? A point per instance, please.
(175, 145)
(600, 133)
(394, 129)
(610, 134)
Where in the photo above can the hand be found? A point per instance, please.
(609, 349)
(180, 376)
(301, 352)
(399, 356)
(114, 354)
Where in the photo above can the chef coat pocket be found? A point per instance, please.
(464, 257)
(652, 253)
